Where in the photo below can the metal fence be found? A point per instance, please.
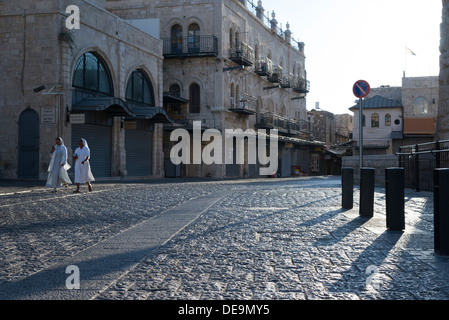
(420, 160)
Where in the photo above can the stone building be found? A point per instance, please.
(443, 107)
(101, 80)
(398, 116)
(228, 65)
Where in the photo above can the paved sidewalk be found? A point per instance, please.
(260, 239)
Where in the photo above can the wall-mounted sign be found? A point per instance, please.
(77, 118)
(48, 115)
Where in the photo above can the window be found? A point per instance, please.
(387, 120)
(92, 74)
(194, 97)
(175, 90)
(176, 39)
(139, 88)
(363, 120)
(374, 120)
(194, 38)
(421, 106)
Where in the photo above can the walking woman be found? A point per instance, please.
(58, 167)
(83, 173)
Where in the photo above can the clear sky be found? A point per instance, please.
(349, 40)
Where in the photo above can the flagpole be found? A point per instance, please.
(405, 60)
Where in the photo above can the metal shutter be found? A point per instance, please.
(99, 139)
(139, 152)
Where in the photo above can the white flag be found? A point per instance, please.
(410, 51)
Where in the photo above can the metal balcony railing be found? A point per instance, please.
(264, 67)
(287, 81)
(287, 126)
(241, 53)
(301, 85)
(190, 46)
(246, 104)
(277, 75)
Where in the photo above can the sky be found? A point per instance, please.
(349, 40)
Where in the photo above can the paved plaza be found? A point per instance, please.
(253, 239)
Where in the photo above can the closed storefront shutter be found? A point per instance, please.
(99, 139)
(138, 145)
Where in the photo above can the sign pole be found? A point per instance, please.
(361, 133)
(361, 89)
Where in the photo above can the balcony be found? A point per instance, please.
(287, 81)
(277, 75)
(191, 46)
(301, 85)
(264, 67)
(245, 105)
(242, 54)
(284, 126)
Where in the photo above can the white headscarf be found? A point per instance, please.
(85, 143)
(66, 165)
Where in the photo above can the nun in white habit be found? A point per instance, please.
(83, 174)
(57, 170)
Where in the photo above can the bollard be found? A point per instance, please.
(347, 185)
(367, 192)
(441, 210)
(394, 192)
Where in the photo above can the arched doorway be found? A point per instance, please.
(28, 166)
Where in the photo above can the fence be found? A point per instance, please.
(420, 160)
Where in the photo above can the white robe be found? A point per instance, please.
(57, 175)
(83, 173)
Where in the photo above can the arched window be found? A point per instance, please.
(421, 106)
(193, 38)
(194, 98)
(387, 120)
(233, 101)
(175, 90)
(176, 38)
(92, 74)
(374, 120)
(139, 88)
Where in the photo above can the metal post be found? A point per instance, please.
(394, 192)
(347, 184)
(441, 210)
(416, 168)
(360, 134)
(367, 192)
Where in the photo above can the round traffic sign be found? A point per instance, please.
(361, 89)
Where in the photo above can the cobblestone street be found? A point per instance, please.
(265, 239)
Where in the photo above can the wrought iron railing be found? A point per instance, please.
(241, 53)
(420, 160)
(206, 45)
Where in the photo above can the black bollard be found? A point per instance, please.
(394, 192)
(347, 185)
(441, 210)
(367, 192)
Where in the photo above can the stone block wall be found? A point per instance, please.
(378, 162)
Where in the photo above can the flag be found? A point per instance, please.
(410, 51)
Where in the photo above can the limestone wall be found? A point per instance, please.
(443, 112)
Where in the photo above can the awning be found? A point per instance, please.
(120, 108)
(173, 99)
(113, 105)
(337, 152)
(156, 114)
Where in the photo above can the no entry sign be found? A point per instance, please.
(361, 89)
